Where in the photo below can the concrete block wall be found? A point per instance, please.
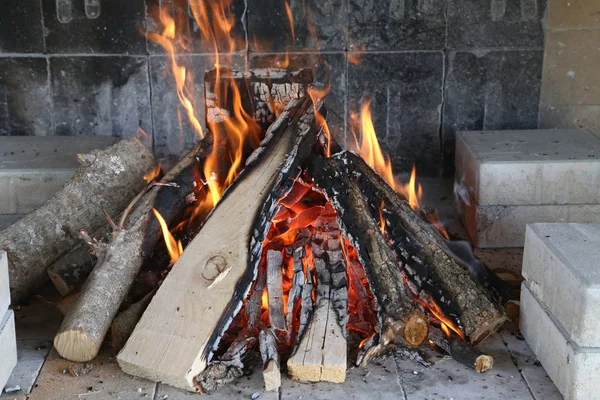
(570, 96)
(432, 66)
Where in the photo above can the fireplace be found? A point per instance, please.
(267, 211)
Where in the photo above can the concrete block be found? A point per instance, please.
(573, 369)
(570, 116)
(570, 74)
(8, 347)
(33, 168)
(573, 14)
(554, 166)
(561, 263)
(4, 286)
(504, 226)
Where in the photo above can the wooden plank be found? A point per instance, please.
(275, 289)
(321, 355)
(174, 340)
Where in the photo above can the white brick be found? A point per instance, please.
(555, 166)
(561, 263)
(8, 347)
(33, 168)
(4, 286)
(573, 369)
(504, 226)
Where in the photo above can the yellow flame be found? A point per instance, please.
(381, 218)
(317, 95)
(174, 247)
(153, 173)
(290, 17)
(445, 329)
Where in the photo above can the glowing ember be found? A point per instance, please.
(174, 247)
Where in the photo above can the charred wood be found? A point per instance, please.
(270, 357)
(461, 351)
(275, 289)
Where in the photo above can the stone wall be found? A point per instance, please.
(432, 67)
(571, 76)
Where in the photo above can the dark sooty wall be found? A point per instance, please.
(432, 67)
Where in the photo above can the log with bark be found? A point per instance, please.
(461, 351)
(83, 330)
(432, 271)
(105, 183)
(198, 299)
(402, 319)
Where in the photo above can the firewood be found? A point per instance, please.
(461, 351)
(295, 290)
(105, 182)
(274, 289)
(254, 305)
(403, 320)
(175, 339)
(427, 262)
(321, 355)
(83, 330)
(125, 322)
(306, 308)
(270, 357)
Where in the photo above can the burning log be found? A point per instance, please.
(105, 182)
(275, 289)
(295, 290)
(230, 365)
(404, 322)
(426, 261)
(206, 286)
(461, 352)
(270, 358)
(83, 330)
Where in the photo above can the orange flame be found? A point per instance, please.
(317, 95)
(445, 329)
(290, 17)
(381, 218)
(153, 173)
(174, 247)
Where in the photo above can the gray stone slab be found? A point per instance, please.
(4, 284)
(385, 25)
(448, 379)
(542, 166)
(538, 381)
(114, 29)
(32, 169)
(476, 24)
(504, 226)
(406, 93)
(490, 89)
(21, 29)
(8, 346)
(573, 369)
(25, 97)
(561, 265)
(8, 219)
(31, 355)
(101, 96)
(317, 25)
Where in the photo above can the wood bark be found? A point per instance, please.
(270, 357)
(83, 330)
(461, 351)
(403, 321)
(105, 182)
(426, 261)
(125, 322)
(205, 288)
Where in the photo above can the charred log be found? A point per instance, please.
(461, 351)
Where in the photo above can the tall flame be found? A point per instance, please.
(173, 246)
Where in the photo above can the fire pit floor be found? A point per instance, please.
(516, 374)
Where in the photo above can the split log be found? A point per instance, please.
(461, 351)
(403, 321)
(125, 322)
(306, 308)
(83, 330)
(321, 355)
(427, 262)
(105, 182)
(176, 337)
(254, 305)
(270, 358)
(230, 365)
(295, 290)
(275, 289)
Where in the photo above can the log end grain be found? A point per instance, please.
(272, 376)
(416, 329)
(484, 363)
(75, 345)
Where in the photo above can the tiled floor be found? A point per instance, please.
(516, 374)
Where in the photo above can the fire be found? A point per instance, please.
(381, 218)
(317, 95)
(153, 173)
(290, 17)
(173, 246)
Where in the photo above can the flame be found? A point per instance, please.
(317, 95)
(446, 322)
(445, 329)
(174, 247)
(290, 17)
(153, 173)
(381, 218)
